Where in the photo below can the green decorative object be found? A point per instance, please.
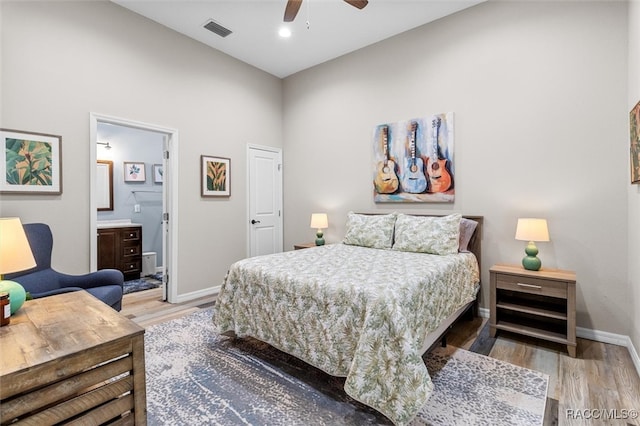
(319, 239)
(17, 295)
(531, 260)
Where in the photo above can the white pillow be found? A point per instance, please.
(427, 234)
(375, 231)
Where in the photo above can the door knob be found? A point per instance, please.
(253, 221)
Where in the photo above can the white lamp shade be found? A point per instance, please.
(531, 229)
(15, 251)
(319, 221)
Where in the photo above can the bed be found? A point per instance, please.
(366, 308)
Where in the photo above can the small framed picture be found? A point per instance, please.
(157, 173)
(30, 163)
(134, 172)
(215, 180)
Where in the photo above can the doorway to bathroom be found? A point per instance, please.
(143, 184)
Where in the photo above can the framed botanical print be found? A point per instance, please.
(30, 163)
(215, 179)
(134, 172)
(158, 173)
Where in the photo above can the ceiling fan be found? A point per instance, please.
(293, 6)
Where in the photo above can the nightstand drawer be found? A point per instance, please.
(532, 285)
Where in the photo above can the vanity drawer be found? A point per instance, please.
(128, 267)
(131, 251)
(131, 234)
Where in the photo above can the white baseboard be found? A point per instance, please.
(634, 354)
(187, 297)
(598, 336)
(602, 336)
(612, 338)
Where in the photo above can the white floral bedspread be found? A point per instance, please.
(351, 311)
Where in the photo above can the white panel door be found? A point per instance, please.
(265, 201)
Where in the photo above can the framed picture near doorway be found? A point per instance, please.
(30, 163)
(134, 172)
(157, 173)
(215, 179)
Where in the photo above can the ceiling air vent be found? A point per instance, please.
(214, 27)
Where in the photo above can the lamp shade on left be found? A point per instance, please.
(319, 221)
(15, 256)
(15, 251)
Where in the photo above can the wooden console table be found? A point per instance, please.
(71, 358)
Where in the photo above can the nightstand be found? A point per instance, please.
(303, 246)
(539, 304)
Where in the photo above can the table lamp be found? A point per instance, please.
(319, 221)
(15, 256)
(531, 230)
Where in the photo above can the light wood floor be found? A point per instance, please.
(601, 378)
(147, 308)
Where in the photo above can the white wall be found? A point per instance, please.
(634, 190)
(539, 95)
(63, 60)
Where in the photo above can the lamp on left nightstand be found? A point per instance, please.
(319, 221)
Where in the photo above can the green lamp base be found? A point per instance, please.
(319, 239)
(17, 294)
(531, 262)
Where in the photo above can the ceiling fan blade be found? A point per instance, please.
(360, 4)
(291, 10)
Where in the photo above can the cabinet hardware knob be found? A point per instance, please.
(529, 285)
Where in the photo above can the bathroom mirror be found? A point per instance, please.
(104, 185)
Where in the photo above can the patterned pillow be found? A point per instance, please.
(375, 231)
(434, 235)
(467, 226)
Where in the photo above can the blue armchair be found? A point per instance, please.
(41, 281)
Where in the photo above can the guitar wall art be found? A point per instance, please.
(413, 160)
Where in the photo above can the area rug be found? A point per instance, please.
(141, 284)
(195, 376)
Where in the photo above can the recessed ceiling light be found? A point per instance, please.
(284, 32)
